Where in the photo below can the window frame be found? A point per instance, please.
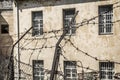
(40, 27)
(71, 74)
(108, 70)
(41, 72)
(71, 30)
(105, 23)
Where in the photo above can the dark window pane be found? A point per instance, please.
(106, 70)
(68, 14)
(37, 23)
(105, 19)
(70, 70)
(38, 72)
(4, 29)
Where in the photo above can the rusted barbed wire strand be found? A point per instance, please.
(41, 48)
(67, 40)
(79, 65)
(95, 58)
(32, 52)
(81, 23)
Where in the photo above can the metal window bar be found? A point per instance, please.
(105, 19)
(106, 70)
(70, 70)
(68, 14)
(38, 72)
(37, 23)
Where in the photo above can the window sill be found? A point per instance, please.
(4, 34)
(37, 36)
(105, 33)
(70, 34)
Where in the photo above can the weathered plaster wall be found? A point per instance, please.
(87, 39)
(6, 41)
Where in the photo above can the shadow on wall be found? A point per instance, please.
(6, 42)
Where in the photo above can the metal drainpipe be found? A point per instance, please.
(18, 29)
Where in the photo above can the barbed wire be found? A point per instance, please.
(41, 49)
(32, 52)
(66, 41)
(47, 71)
(30, 65)
(95, 58)
(79, 65)
(25, 41)
(81, 23)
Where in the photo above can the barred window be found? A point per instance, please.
(38, 72)
(70, 70)
(105, 19)
(67, 16)
(37, 22)
(106, 70)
